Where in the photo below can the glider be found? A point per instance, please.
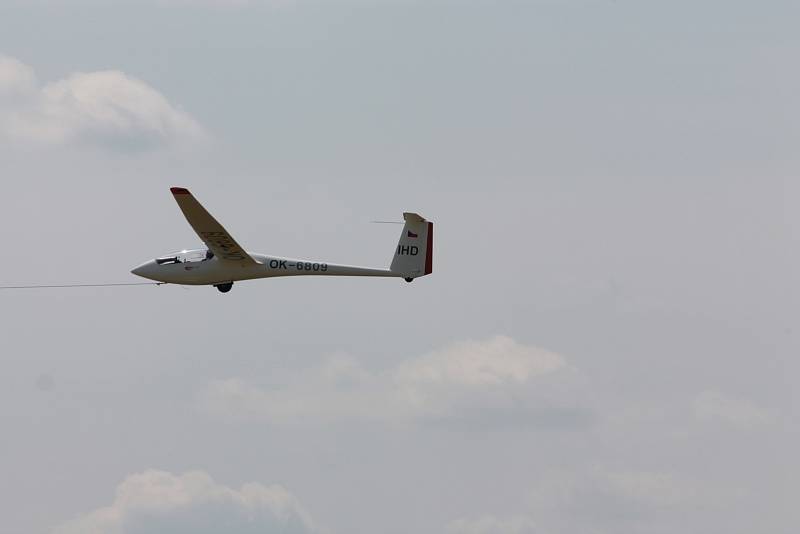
(224, 261)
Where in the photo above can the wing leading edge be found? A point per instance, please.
(216, 238)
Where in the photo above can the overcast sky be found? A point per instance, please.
(609, 340)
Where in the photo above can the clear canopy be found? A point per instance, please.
(185, 256)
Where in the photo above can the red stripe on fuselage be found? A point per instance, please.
(429, 251)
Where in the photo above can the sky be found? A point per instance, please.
(608, 342)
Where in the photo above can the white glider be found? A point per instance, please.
(224, 261)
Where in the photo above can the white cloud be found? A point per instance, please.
(106, 108)
(656, 489)
(475, 364)
(599, 499)
(469, 377)
(616, 490)
(714, 405)
(212, 4)
(493, 525)
(16, 78)
(158, 501)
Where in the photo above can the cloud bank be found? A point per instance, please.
(158, 501)
(494, 525)
(712, 405)
(600, 499)
(497, 376)
(103, 108)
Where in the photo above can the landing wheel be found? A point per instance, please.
(409, 280)
(224, 288)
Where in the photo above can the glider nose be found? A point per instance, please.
(144, 270)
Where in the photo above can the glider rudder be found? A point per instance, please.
(413, 256)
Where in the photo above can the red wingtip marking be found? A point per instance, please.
(179, 191)
(429, 251)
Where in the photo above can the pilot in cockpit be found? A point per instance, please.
(209, 254)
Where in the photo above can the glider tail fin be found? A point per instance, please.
(413, 256)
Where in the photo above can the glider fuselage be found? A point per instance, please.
(190, 267)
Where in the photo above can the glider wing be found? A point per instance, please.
(216, 238)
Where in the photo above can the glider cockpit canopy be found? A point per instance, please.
(185, 256)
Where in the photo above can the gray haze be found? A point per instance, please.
(608, 343)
